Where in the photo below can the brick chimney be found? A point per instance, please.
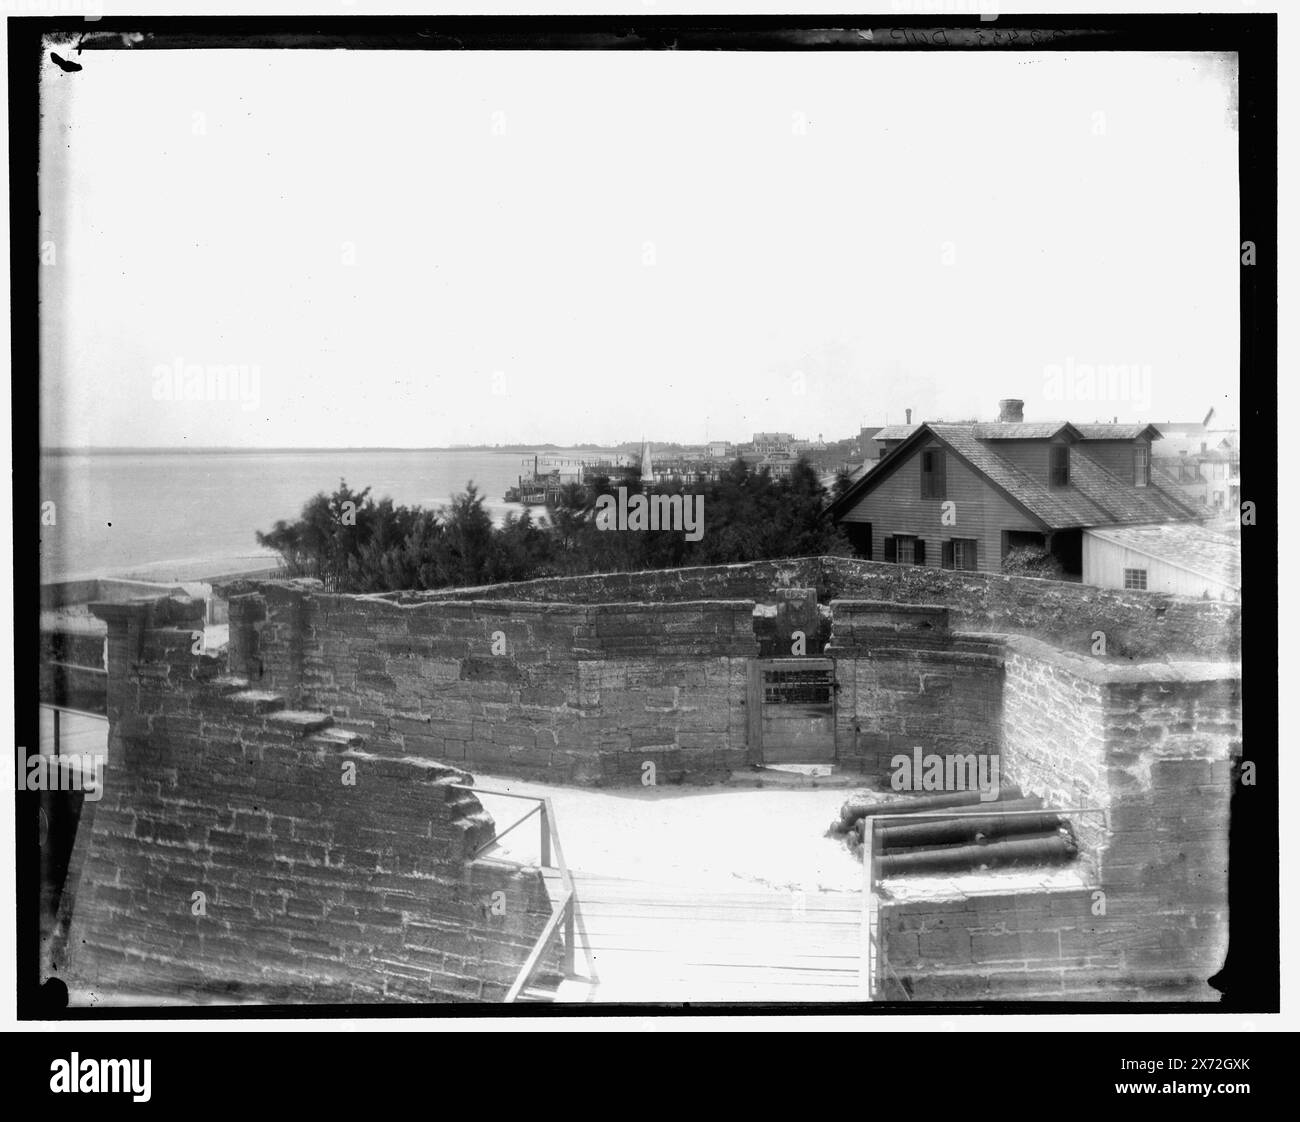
(1011, 411)
(909, 415)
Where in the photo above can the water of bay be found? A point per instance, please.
(181, 515)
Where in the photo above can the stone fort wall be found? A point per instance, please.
(226, 761)
(594, 693)
(572, 686)
(1137, 625)
(1153, 752)
(244, 851)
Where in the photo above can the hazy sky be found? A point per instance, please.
(431, 248)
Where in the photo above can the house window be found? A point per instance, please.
(1136, 579)
(932, 475)
(1060, 465)
(961, 553)
(1141, 465)
(905, 549)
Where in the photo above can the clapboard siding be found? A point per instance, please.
(895, 506)
(1104, 563)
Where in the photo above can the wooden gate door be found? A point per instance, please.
(794, 703)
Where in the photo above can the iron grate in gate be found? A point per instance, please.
(797, 687)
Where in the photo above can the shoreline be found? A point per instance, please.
(192, 570)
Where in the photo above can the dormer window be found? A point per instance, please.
(1141, 465)
(1060, 465)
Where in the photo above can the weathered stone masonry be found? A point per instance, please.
(1149, 735)
(1153, 747)
(313, 889)
(1137, 625)
(906, 681)
(589, 691)
(224, 766)
(579, 693)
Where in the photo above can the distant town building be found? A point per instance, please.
(867, 445)
(798, 446)
(778, 464)
(766, 443)
(1203, 461)
(891, 436)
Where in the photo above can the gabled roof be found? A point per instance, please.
(1119, 432)
(1094, 497)
(1021, 430)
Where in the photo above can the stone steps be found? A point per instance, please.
(256, 701)
(337, 738)
(299, 721)
(234, 691)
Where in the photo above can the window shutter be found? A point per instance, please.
(891, 549)
(919, 551)
(947, 555)
(974, 548)
(940, 471)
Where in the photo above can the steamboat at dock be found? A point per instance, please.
(542, 478)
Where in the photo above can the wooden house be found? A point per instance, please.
(962, 496)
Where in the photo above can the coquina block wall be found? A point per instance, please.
(907, 681)
(755, 580)
(246, 850)
(1152, 750)
(592, 693)
(581, 690)
(584, 693)
(586, 690)
(1137, 625)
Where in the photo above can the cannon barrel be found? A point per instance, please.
(1041, 849)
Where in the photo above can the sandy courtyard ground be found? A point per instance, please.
(702, 837)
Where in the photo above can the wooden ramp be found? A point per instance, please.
(640, 941)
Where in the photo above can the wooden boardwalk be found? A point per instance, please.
(640, 941)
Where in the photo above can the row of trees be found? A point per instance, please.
(357, 544)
